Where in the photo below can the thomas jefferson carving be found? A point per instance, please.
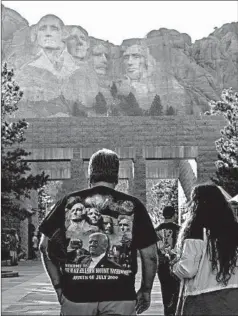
(77, 42)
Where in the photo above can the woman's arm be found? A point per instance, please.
(188, 264)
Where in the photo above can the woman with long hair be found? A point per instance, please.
(207, 250)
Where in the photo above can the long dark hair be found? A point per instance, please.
(209, 209)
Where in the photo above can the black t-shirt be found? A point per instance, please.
(167, 234)
(94, 237)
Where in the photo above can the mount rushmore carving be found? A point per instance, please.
(65, 72)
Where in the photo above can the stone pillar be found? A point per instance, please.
(78, 179)
(205, 166)
(131, 186)
(24, 235)
(187, 177)
(140, 176)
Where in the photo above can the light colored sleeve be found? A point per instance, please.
(187, 266)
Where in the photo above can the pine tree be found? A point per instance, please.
(227, 146)
(101, 104)
(77, 110)
(156, 108)
(129, 105)
(47, 197)
(170, 111)
(113, 90)
(17, 182)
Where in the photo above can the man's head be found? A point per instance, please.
(168, 213)
(124, 223)
(98, 244)
(107, 224)
(50, 32)
(100, 56)
(104, 167)
(93, 215)
(135, 61)
(77, 212)
(77, 42)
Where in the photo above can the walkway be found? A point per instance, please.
(32, 294)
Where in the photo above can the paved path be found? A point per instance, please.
(31, 293)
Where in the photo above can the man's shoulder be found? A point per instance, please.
(126, 196)
(79, 193)
(160, 226)
(130, 202)
(175, 226)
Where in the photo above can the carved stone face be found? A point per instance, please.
(77, 43)
(135, 62)
(100, 56)
(93, 216)
(77, 212)
(107, 225)
(124, 225)
(50, 33)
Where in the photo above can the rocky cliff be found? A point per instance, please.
(62, 69)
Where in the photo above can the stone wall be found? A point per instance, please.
(73, 140)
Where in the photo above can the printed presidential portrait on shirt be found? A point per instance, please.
(96, 237)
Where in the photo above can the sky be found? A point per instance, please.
(118, 20)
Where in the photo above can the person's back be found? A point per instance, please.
(13, 246)
(167, 233)
(207, 251)
(97, 277)
(101, 285)
(167, 236)
(206, 279)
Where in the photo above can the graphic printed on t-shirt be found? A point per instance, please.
(98, 236)
(94, 235)
(166, 239)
